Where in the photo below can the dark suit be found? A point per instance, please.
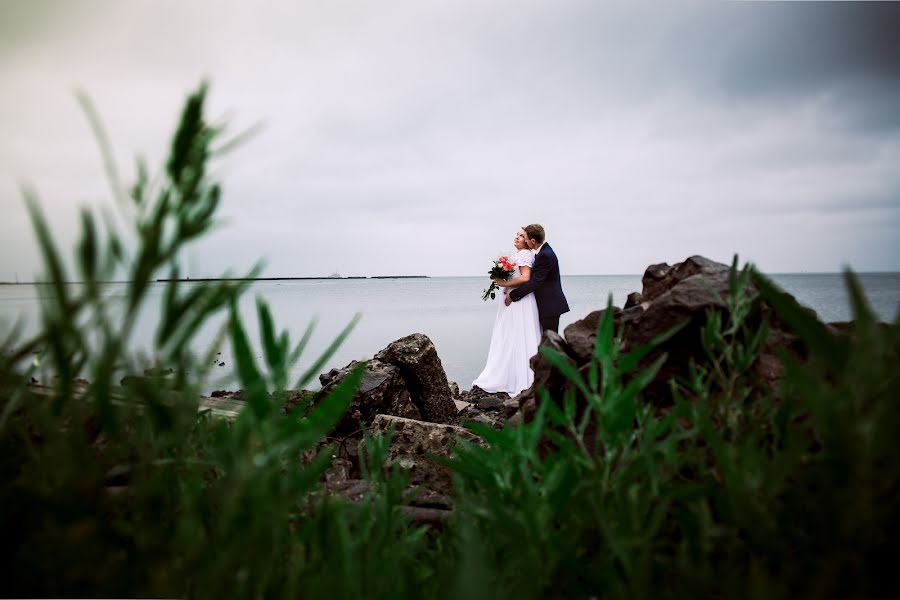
(546, 287)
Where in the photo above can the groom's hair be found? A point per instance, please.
(534, 232)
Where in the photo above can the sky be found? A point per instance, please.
(415, 138)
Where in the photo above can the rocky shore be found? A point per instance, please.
(405, 387)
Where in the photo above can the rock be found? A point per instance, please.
(486, 400)
(454, 390)
(682, 293)
(326, 378)
(226, 407)
(688, 299)
(382, 390)
(460, 405)
(414, 442)
(489, 402)
(492, 419)
(768, 369)
(425, 516)
(353, 490)
(654, 279)
(544, 373)
(509, 408)
(582, 335)
(660, 278)
(338, 472)
(421, 368)
(291, 398)
(634, 299)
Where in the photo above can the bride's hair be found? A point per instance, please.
(535, 232)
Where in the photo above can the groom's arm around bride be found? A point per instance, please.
(544, 283)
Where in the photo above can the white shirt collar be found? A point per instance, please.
(541, 246)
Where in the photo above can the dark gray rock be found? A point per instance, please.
(489, 402)
(415, 442)
(582, 335)
(382, 390)
(417, 359)
(687, 300)
(660, 278)
(326, 378)
(634, 299)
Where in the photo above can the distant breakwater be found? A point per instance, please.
(164, 280)
(184, 279)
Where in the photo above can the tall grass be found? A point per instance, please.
(734, 491)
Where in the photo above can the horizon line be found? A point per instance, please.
(359, 277)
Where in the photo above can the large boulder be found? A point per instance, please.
(681, 294)
(582, 334)
(413, 445)
(382, 390)
(660, 278)
(688, 300)
(406, 379)
(417, 359)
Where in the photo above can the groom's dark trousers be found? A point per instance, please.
(547, 289)
(551, 323)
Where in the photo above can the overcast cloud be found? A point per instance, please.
(413, 137)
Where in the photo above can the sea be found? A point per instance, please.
(449, 310)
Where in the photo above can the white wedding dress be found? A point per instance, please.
(517, 333)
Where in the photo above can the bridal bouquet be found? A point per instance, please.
(502, 269)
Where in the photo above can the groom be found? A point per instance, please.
(544, 282)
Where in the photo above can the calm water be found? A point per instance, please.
(447, 309)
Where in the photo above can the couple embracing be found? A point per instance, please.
(532, 302)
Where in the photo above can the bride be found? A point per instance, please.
(517, 332)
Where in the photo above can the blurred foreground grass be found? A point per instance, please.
(136, 493)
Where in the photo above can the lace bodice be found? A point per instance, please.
(524, 258)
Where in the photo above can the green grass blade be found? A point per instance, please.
(329, 410)
(267, 332)
(563, 364)
(251, 379)
(316, 368)
(803, 321)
